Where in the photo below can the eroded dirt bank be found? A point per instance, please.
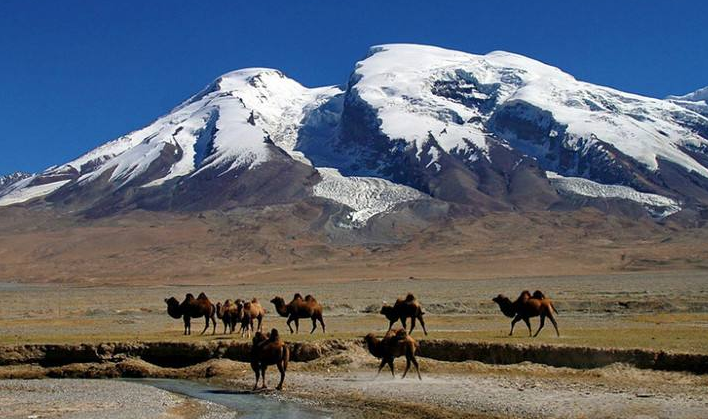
(185, 354)
(339, 375)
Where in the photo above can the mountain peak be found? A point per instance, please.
(481, 131)
(695, 96)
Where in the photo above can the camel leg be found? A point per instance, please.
(263, 370)
(206, 326)
(297, 325)
(390, 325)
(290, 319)
(260, 320)
(213, 322)
(513, 323)
(543, 321)
(408, 366)
(403, 322)
(319, 317)
(528, 324)
(281, 368)
(415, 364)
(555, 325)
(412, 325)
(390, 365)
(314, 325)
(422, 324)
(383, 363)
(187, 325)
(256, 369)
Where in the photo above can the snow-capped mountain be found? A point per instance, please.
(696, 101)
(413, 123)
(9, 179)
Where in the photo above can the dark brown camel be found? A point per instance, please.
(247, 312)
(300, 308)
(192, 308)
(403, 309)
(527, 306)
(269, 349)
(394, 344)
(228, 313)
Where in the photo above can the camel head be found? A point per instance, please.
(259, 337)
(173, 308)
(389, 312)
(220, 309)
(239, 308)
(372, 344)
(280, 306)
(505, 304)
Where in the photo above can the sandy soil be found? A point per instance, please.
(288, 243)
(99, 399)
(667, 310)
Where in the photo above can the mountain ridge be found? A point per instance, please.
(414, 123)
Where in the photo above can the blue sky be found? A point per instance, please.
(74, 74)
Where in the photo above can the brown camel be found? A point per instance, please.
(527, 306)
(403, 309)
(300, 308)
(247, 312)
(394, 344)
(269, 349)
(192, 308)
(228, 313)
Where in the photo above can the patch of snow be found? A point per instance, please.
(397, 81)
(658, 205)
(22, 192)
(366, 196)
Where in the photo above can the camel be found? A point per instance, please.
(403, 309)
(192, 308)
(228, 313)
(394, 344)
(247, 312)
(300, 308)
(527, 306)
(269, 349)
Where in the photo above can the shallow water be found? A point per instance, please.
(249, 405)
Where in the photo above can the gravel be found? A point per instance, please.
(105, 399)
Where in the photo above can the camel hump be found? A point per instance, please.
(525, 294)
(538, 295)
(202, 296)
(410, 298)
(297, 296)
(401, 334)
(309, 297)
(254, 300)
(189, 296)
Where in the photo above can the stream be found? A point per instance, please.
(248, 405)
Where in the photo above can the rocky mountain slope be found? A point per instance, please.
(417, 130)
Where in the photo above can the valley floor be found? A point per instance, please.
(665, 311)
